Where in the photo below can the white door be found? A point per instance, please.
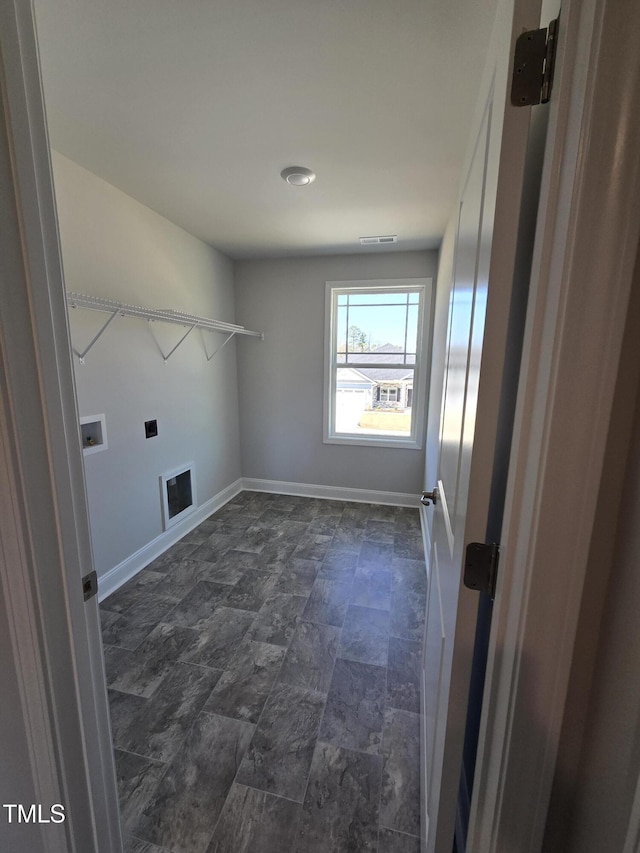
(479, 300)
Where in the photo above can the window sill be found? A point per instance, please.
(373, 441)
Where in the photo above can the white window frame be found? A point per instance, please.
(415, 440)
(386, 390)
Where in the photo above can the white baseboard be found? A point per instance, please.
(336, 493)
(124, 571)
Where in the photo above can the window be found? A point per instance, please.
(374, 362)
(388, 395)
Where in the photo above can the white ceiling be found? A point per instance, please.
(195, 106)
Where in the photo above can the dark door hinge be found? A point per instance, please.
(533, 65)
(89, 585)
(481, 567)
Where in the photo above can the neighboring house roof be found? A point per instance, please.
(355, 375)
(395, 355)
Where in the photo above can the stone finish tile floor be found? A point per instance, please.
(263, 678)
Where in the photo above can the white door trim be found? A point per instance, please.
(587, 239)
(50, 539)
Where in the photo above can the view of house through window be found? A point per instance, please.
(375, 349)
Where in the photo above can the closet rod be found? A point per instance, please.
(97, 303)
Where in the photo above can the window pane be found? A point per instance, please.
(382, 355)
(371, 328)
(374, 402)
(377, 298)
(341, 329)
(412, 328)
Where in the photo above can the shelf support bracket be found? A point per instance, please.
(171, 351)
(101, 331)
(217, 350)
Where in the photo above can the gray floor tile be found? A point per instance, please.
(107, 618)
(324, 506)
(255, 506)
(289, 530)
(143, 671)
(271, 517)
(340, 810)
(407, 615)
(255, 822)
(255, 538)
(280, 754)
(409, 576)
(131, 592)
(229, 567)
(275, 556)
(400, 800)
(244, 687)
(390, 841)
(380, 531)
(347, 539)
(312, 546)
(384, 512)
(196, 537)
(137, 778)
(356, 514)
(365, 635)
(408, 545)
(338, 566)
(157, 728)
(216, 644)
(184, 809)
(353, 717)
(198, 606)
(311, 656)
(304, 511)
(327, 602)
(122, 708)
(277, 619)
(135, 845)
(137, 622)
(216, 547)
(298, 577)
(115, 660)
(408, 520)
(325, 525)
(180, 579)
(403, 677)
(372, 588)
(375, 555)
(251, 591)
(172, 556)
(303, 562)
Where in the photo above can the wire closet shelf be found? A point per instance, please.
(169, 315)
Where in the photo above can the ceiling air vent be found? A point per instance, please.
(371, 241)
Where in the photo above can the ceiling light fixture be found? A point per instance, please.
(298, 176)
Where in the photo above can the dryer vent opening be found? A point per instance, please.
(178, 495)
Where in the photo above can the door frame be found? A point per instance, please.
(588, 227)
(55, 647)
(588, 233)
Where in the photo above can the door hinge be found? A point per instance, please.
(481, 567)
(533, 65)
(89, 585)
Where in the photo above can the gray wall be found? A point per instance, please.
(113, 246)
(281, 388)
